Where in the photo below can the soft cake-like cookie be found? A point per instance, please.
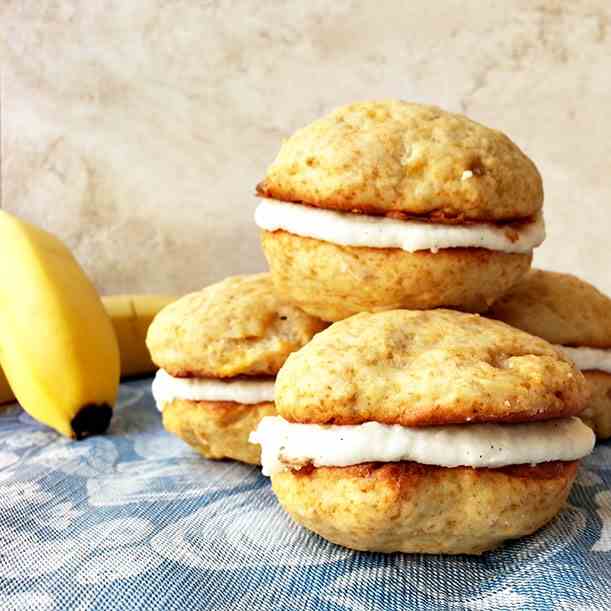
(219, 350)
(421, 368)
(235, 327)
(429, 432)
(218, 429)
(323, 277)
(395, 156)
(390, 204)
(576, 317)
(416, 508)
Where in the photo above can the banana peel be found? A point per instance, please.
(131, 316)
(58, 348)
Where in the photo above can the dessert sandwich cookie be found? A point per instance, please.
(219, 350)
(384, 205)
(424, 431)
(576, 317)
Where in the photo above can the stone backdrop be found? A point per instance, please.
(137, 130)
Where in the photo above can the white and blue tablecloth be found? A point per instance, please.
(136, 520)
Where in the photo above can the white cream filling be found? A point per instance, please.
(167, 388)
(589, 358)
(348, 229)
(291, 445)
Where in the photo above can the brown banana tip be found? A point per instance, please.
(91, 419)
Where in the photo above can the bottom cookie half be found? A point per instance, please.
(410, 507)
(217, 429)
(334, 282)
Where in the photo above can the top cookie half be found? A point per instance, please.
(560, 308)
(421, 368)
(406, 159)
(235, 327)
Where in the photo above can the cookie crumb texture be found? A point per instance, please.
(235, 327)
(408, 507)
(395, 156)
(598, 413)
(421, 368)
(217, 429)
(560, 308)
(333, 282)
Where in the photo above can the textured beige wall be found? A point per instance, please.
(137, 130)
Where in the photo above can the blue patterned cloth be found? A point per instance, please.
(136, 520)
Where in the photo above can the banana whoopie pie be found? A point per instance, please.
(219, 350)
(384, 205)
(576, 317)
(424, 431)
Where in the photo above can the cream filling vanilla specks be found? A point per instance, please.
(348, 229)
(288, 445)
(167, 388)
(588, 359)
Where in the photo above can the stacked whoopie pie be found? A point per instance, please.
(413, 429)
(424, 431)
(576, 317)
(384, 205)
(219, 350)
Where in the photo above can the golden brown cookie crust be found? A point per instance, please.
(333, 282)
(560, 308)
(409, 507)
(422, 368)
(396, 156)
(235, 327)
(217, 429)
(598, 413)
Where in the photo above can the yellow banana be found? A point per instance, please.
(57, 344)
(131, 316)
